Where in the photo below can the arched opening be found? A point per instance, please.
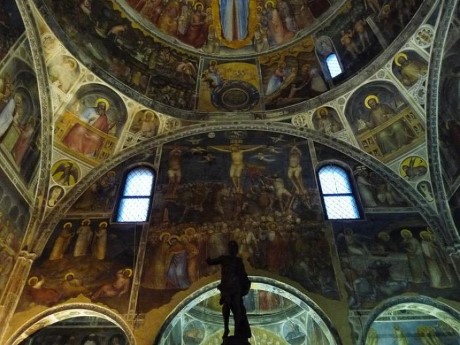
(416, 320)
(276, 312)
(74, 324)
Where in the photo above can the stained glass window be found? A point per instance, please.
(338, 197)
(136, 197)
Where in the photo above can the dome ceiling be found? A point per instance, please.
(199, 60)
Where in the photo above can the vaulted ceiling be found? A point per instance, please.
(371, 86)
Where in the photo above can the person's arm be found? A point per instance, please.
(215, 261)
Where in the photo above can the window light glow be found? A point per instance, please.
(136, 198)
(133, 210)
(333, 65)
(338, 197)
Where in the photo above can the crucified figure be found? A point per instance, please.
(237, 155)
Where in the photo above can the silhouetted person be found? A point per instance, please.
(233, 286)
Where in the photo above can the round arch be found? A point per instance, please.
(408, 308)
(65, 312)
(292, 314)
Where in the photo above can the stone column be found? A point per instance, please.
(13, 290)
(454, 256)
(132, 316)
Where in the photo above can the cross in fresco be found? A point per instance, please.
(237, 155)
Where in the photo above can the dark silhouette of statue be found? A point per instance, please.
(233, 286)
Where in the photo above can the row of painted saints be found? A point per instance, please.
(93, 133)
(233, 23)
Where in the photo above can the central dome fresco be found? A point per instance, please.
(201, 60)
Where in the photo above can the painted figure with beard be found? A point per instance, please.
(277, 78)
(276, 28)
(392, 137)
(411, 71)
(155, 274)
(85, 235)
(82, 139)
(167, 22)
(22, 144)
(197, 32)
(177, 271)
(62, 242)
(99, 245)
(415, 257)
(438, 271)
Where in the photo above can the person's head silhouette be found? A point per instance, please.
(232, 248)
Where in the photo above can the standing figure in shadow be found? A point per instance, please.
(233, 286)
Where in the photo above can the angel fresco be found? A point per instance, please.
(63, 72)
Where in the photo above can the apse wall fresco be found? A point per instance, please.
(258, 189)
(90, 125)
(418, 322)
(232, 185)
(87, 257)
(388, 256)
(169, 59)
(14, 218)
(19, 118)
(390, 252)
